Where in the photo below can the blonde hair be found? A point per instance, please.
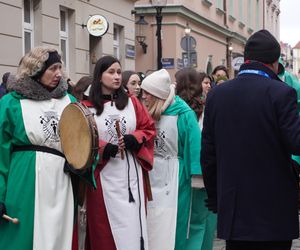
(33, 62)
(155, 108)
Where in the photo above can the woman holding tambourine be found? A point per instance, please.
(116, 217)
(33, 185)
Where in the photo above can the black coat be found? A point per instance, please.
(251, 128)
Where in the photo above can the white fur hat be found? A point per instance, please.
(159, 84)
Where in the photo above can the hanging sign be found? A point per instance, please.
(130, 51)
(237, 62)
(97, 25)
(168, 63)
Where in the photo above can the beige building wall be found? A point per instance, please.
(296, 60)
(216, 28)
(272, 16)
(83, 49)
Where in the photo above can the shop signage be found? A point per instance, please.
(97, 25)
(130, 51)
(237, 62)
(168, 63)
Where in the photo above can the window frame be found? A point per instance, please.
(28, 27)
(64, 36)
(117, 41)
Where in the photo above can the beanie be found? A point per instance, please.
(263, 47)
(159, 84)
(53, 57)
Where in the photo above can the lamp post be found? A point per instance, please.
(158, 5)
(229, 50)
(187, 32)
(140, 35)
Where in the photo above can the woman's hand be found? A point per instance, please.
(110, 150)
(121, 143)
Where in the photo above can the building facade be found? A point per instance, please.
(296, 60)
(287, 56)
(62, 24)
(219, 29)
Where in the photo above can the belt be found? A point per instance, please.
(38, 148)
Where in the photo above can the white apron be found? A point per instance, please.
(124, 216)
(162, 211)
(54, 204)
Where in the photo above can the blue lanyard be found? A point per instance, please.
(253, 71)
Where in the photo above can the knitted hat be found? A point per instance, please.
(263, 47)
(159, 84)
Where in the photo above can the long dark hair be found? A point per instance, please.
(220, 67)
(120, 97)
(125, 77)
(189, 89)
(202, 76)
(81, 86)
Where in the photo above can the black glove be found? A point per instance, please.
(131, 143)
(67, 167)
(211, 204)
(110, 150)
(2, 210)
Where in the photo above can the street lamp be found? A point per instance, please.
(140, 35)
(158, 5)
(187, 29)
(229, 50)
(187, 32)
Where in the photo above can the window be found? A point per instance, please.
(209, 68)
(231, 10)
(27, 26)
(220, 4)
(249, 13)
(241, 16)
(64, 36)
(257, 15)
(117, 35)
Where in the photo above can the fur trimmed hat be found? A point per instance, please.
(263, 47)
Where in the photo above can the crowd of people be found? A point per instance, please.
(177, 160)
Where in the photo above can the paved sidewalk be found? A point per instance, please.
(220, 244)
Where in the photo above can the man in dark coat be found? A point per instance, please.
(251, 128)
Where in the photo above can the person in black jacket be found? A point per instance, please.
(3, 85)
(251, 128)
